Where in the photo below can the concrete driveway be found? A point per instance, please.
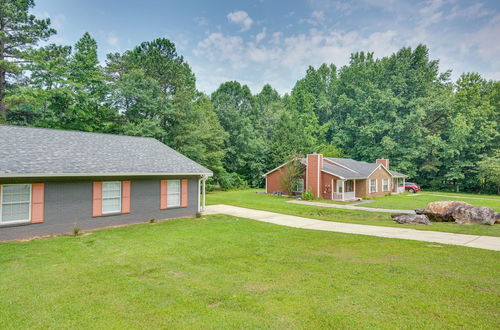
(476, 241)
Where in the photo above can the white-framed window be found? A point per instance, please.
(174, 193)
(15, 203)
(299, 185)
(373, 185)
(385, 184)
(111, 197)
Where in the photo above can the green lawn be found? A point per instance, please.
(224, 272)
(251, 199)
(420, 200)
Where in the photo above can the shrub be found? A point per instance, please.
(152, 220)
(76, 229)
(232, 181)
(292, 172)
(308, 195)
(198, 214)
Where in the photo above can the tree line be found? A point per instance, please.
(444, 134)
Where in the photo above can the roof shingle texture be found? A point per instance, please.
(28, 151)
(356, 169)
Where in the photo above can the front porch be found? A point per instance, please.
(343, 191)
(398, 186)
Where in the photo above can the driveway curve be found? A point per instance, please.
(475, 241)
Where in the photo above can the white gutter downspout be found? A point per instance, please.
(201, 182)
(199, 192)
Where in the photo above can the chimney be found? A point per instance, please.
(313, 173)
(384, 162)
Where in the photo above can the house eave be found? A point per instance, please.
(62, 175)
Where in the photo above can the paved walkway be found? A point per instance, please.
(351, 207)
(482, 242)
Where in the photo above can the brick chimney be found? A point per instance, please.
(384, 162)
(313, 173)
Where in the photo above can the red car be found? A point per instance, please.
(412, 187)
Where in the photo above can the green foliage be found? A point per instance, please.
(489, 171)
(308, 195)
(154, 91)
(231, 181)
(19, 31)
(76, 230)
(245, 146)
(293, 171)
(331, 151)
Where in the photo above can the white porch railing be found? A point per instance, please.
(347, 196)
(401, 190)
(337, 196)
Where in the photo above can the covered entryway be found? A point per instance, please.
(345, 190)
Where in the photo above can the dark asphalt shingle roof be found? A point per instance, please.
(341, 172)
(355, 169)
(28, 151)
(401, 175)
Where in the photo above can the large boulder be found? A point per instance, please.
(419, 211)
(411, 219)
(467, 214)
(439, 211)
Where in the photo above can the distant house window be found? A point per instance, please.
(15, 203)
(111, 197)
(385, 185)
(373, 185)
(174, 193)
(299, 185)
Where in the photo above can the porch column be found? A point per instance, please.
(199, 195)
(332, 190)
(203, 195)
(354, 187)
(343, 189)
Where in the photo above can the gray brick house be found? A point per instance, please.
(51, 180)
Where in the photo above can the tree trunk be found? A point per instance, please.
(3, 83)
(3, 108)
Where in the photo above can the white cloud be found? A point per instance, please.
(261, 35)
(241, 17)
(112, 40)
(482, 43)
(319, 15)
(282, 60)
(476, 10)
(317, 18)
(201, 21)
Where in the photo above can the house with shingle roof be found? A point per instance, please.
(53, 180)
(339, 179)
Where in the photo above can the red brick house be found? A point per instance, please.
(340, 179)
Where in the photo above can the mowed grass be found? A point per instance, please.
(254, 199)
(224, 272)
(420, 200)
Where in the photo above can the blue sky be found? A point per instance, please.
(274, 41)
